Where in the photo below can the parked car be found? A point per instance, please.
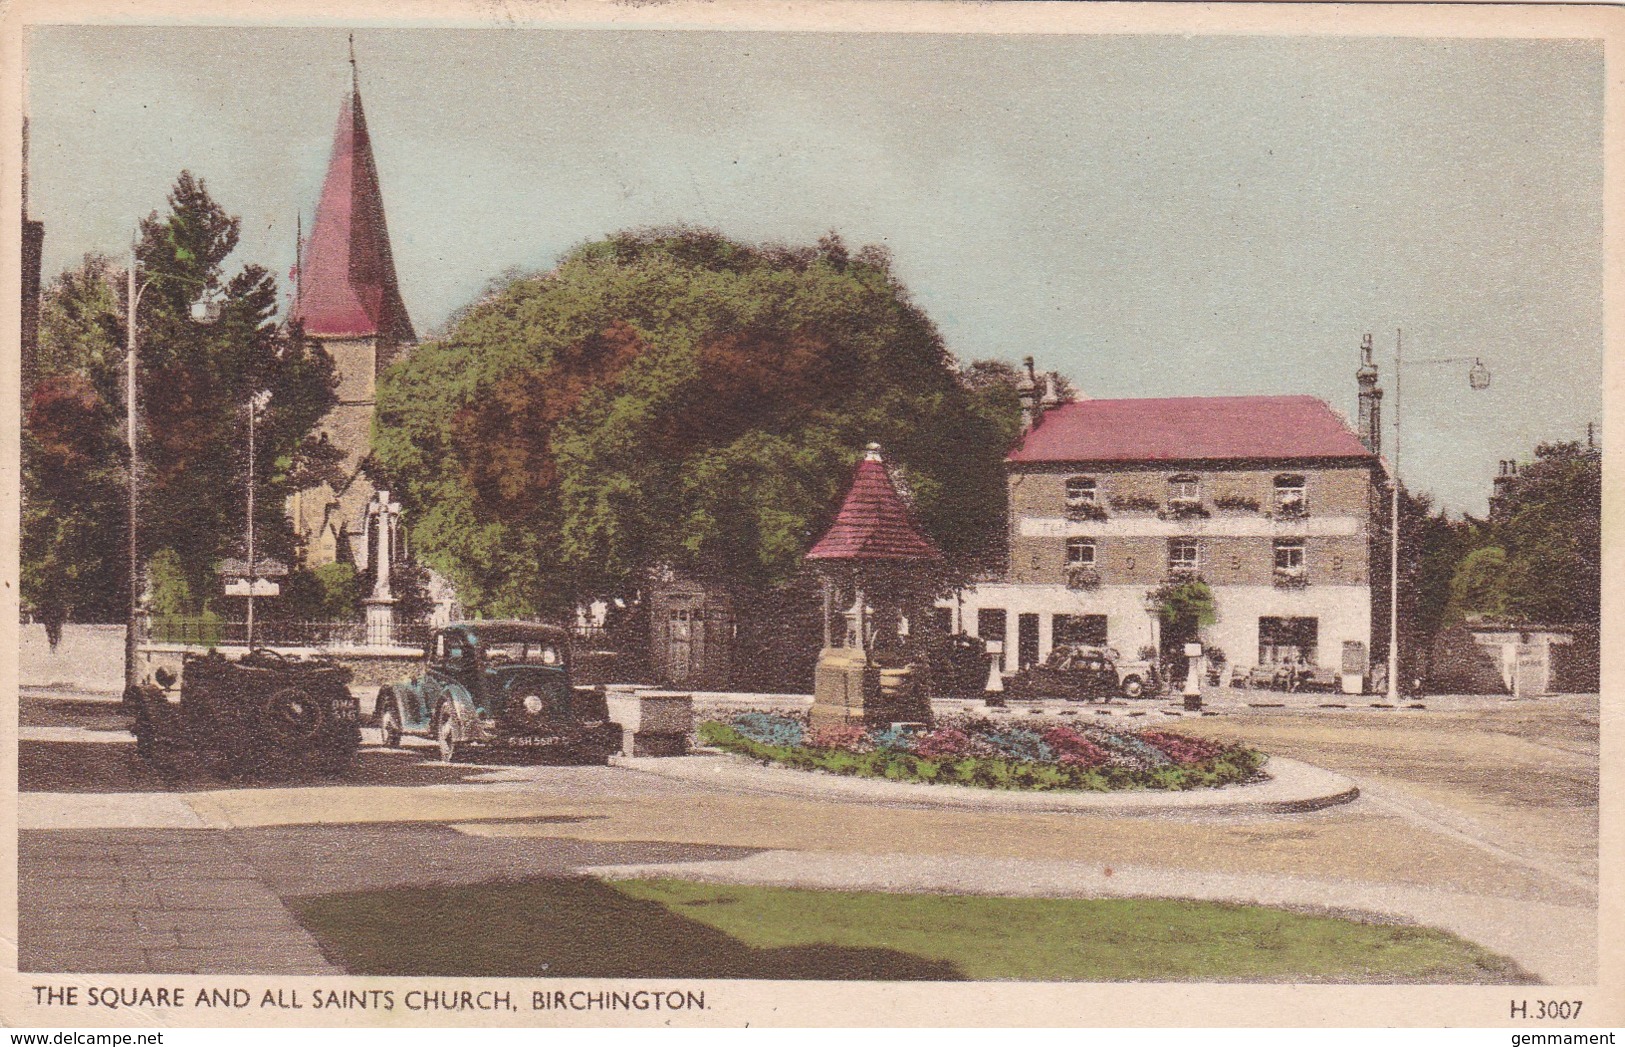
(1080, 672)
(957, 666)
(263, 716)
(500, 684)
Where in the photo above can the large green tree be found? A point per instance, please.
(1549, 522)
(678, 399)
(1537, 558)
(195, 381)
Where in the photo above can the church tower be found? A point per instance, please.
(347, 299)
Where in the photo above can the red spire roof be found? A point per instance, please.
(873, 523)
(347, 285)
(1190, 428)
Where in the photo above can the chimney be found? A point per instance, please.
(1370, 400)
(1052, 393)
(1027, 393)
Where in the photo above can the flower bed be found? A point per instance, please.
(978, 752)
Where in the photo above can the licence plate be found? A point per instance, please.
(534, 740)
(344, 710)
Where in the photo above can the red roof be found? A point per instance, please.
(347, 285)
(1190, 428)
(873, 523)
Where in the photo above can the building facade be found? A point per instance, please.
(1268, 500)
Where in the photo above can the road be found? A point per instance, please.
(1480, 817)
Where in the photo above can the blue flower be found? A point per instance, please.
(770, 728)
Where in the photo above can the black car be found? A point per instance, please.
(1081, 672)
(263, 716)
(500, 684)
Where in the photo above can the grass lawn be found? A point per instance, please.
(650, 928)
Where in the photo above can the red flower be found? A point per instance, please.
(945, 741)
(1073, 749)
(1181, 749)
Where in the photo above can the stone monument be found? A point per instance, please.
(876, 568)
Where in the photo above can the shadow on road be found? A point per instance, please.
(567, 928)
(103, 767)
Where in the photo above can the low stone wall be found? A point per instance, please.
(90, 658)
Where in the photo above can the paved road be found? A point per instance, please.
(1481, 819)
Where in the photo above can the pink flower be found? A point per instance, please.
(1181, 749)
(943, 742)
(846, 736)
(1073, 749)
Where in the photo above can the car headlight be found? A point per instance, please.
(533, 703)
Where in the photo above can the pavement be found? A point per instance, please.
(1480, 819)
(164, 902)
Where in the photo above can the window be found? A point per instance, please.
(1184, 488)
(1289, 494)
(990, 624)
(1080, 552)
(1081, 490)
(1289, 555)
(1285, 639)
(1182, 554)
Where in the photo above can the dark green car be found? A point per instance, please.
(500, 685)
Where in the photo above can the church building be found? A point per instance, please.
(347, 300)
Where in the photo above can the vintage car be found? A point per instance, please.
(956, 666)
(500, 685)
(264, 716)
(1079, 672)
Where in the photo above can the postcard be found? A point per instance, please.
(887, 514)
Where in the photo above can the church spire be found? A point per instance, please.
(347, 278)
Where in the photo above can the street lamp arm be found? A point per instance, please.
(149, 278)
(138, 284)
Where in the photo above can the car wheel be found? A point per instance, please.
(389, 725)
(1133, 687)
(450, 737)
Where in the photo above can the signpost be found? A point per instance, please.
(259, 587)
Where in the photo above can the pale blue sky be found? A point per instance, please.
(1150, 215)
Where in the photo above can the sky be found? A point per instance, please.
(1149, 215)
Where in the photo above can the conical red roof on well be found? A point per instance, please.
(347, 286)
(873, 523)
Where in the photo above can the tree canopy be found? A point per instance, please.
(194, 384)
(676, 399)
(1536, 559)
(1549, 523)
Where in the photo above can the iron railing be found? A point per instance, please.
(213, 632)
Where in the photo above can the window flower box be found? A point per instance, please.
(1184, 509)
(1183, 575)
(1082, 576)
(1291, 508)
(1084, 511)
(1290, 578)
(1235, 503)
(1134, 503)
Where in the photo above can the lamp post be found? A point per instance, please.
(256, 404)
(206, 310)
(1478, 379)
